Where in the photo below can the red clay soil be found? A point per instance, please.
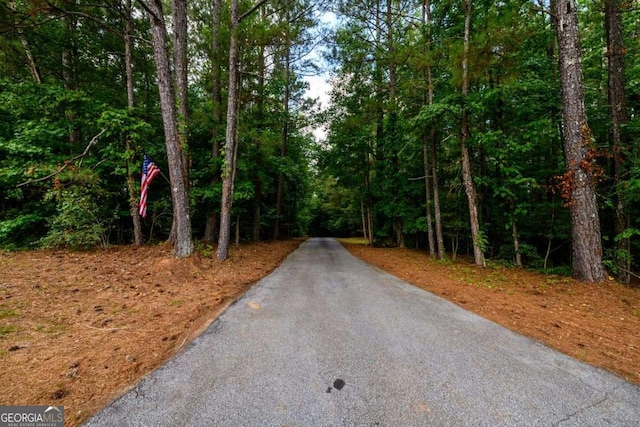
(596, 323)
(78, 329)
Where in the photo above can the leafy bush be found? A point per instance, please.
(16, 232)
(79, 222)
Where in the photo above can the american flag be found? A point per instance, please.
(149, 171)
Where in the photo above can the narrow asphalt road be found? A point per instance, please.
(327, 340)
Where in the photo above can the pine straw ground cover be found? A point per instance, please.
(596, 323)
(77, 329)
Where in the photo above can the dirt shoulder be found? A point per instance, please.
(596, 323)
(78, 329)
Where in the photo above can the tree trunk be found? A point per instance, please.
(427, 75)
(180, 84)
(376, 148)
(619, 143)
(128, 61)
(434, 148)
(455, 242)
(257, 180)
(183, 244)
(133, 199)
(211, 226)
(427, 186)
(69, 50)
(180, 65)
(131, 179)
(399, 226)
(436, 201)
(578, 148)
(365, 234)
(257, 211)
(285, 135)
(35, 73)
(231, 146)
(368, 203)
(467, 177)
(69, 66)
(372, 235)
(392, 134)
(516, 243)
(228, 171)
(237, 240)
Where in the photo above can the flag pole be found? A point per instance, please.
(165, 177)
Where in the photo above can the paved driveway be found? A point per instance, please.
(327, 340)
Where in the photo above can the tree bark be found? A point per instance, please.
(257, 181)
(427, 75)
(228, 169)
(33, 68)
(237, 239)
(285, 135)
(179, 18)
(180, 66)
(578, 148)
(231, 148)
(368, 202)
(128, 65)
(128, 61)
(434, 148)
(436, 201)
(211, 226)
(69, 66)
(427, 187)
(68, 74)
(365, 234)
(619, 143)
(516, 238)
(467, 177)
(183, 244)
(393, 114)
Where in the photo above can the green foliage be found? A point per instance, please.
(529, 253)
(373, 157)
(34, 142)
(204, 249)
(79, 222)
(14, 232)
(7, 329)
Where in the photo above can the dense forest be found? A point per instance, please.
(502, 130)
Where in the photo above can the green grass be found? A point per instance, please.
(55, 330)
(352, 240)
(5, 330)
(8, 312)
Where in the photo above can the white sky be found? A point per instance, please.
(319, 86)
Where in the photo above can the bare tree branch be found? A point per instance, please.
(146, 8)
(251, 11)
(66, 163)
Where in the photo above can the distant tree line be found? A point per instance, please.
(501, 130)
(211, 91)
(506, 130)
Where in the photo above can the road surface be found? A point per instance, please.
(327, 340)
